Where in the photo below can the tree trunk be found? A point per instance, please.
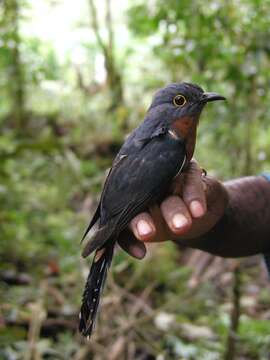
(16, 85)
(113, 75)
(235, 315)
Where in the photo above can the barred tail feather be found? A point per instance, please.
(93, 288)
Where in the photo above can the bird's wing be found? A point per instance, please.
(96, 215)
(140, 173)
(129, 156)
(135, 180)
(145, 139)
(92, 222)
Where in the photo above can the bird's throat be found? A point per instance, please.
(186, 129)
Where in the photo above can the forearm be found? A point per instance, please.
(244, 229)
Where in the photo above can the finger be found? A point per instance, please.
(217, 200)
(176, 214)
(131, 245)
(193, 191)
(161, 226)
(143, 227)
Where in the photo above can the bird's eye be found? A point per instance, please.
(179, 100)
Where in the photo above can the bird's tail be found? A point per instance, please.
(93, 288)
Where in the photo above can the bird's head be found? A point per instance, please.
(181, 100)
(178, 106)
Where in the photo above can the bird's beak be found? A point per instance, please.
(211, 96)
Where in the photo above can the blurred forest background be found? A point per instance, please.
(75, 78)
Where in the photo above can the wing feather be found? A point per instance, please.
(141, 177)
(133, 183)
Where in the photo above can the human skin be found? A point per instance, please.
(229, 220)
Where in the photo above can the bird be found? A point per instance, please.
(150, 158)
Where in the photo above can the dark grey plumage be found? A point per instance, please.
(147, 162)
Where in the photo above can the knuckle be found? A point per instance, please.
(176, 206)
(194, 167)
(170, 204)
(135, 220)
(141, 216)
(194, 193)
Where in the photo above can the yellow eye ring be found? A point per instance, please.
(179, 100)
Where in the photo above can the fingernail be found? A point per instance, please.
(144, 228)
(138, 252)
(196, 208)
(179, 221)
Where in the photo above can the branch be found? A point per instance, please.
(109, 26)
(95, 26)
(235, 315)
(89, 89)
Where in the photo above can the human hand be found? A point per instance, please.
(194, 206)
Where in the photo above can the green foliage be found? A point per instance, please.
(255, 334)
